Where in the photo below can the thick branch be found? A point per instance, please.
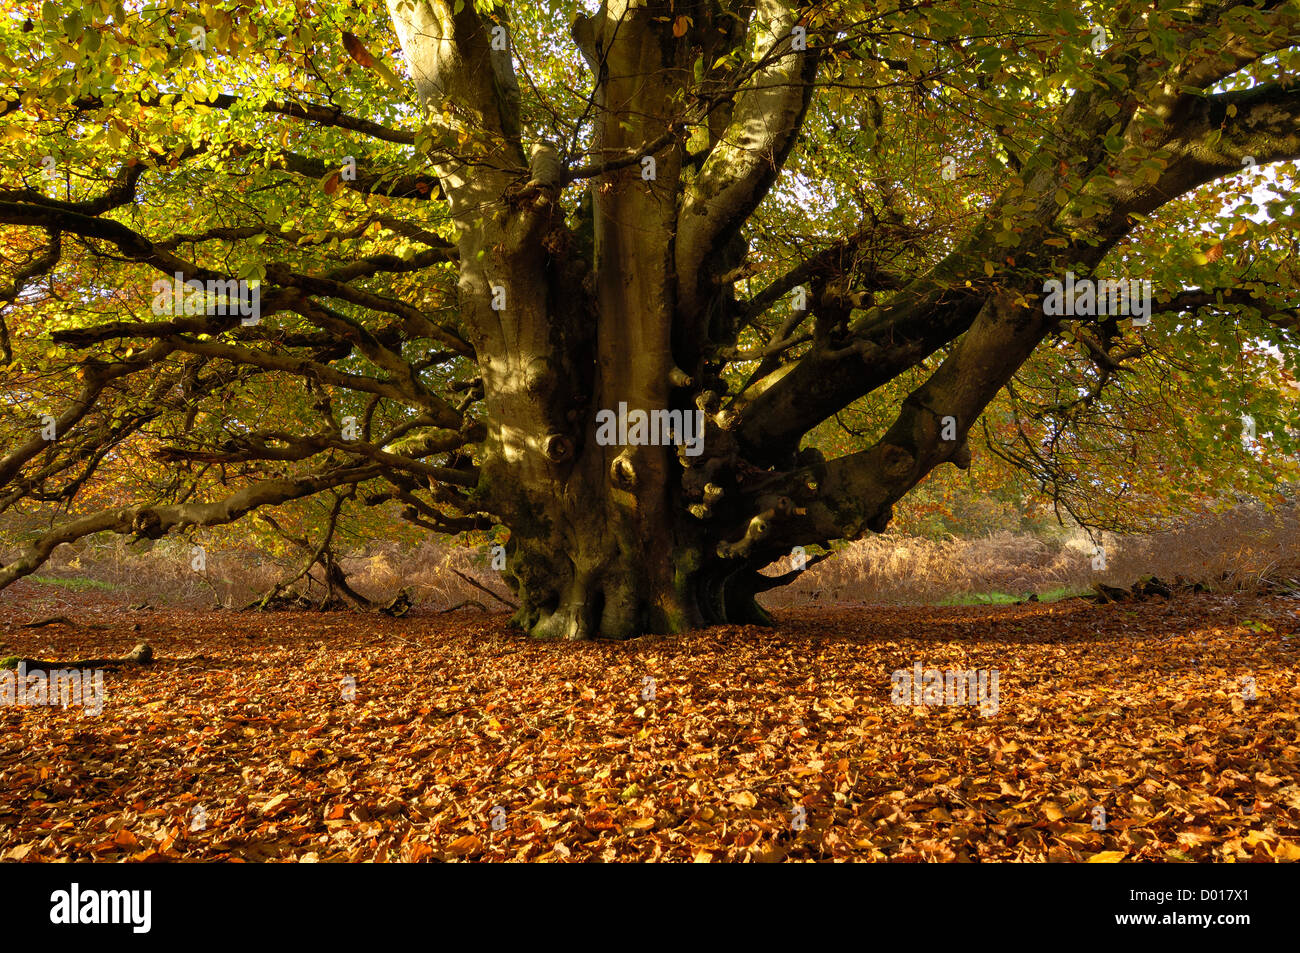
(154, 522)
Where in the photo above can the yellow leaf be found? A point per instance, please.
(1287, 851)
(988, 268)
(1107, 857)
(743, 799)
(275, 802)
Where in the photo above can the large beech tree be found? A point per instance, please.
(473, 226)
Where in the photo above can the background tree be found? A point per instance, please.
(472, 233)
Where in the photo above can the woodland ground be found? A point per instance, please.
(243, 721)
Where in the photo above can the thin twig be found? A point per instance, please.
(483, 588)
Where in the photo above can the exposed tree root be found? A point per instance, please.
(463, 604)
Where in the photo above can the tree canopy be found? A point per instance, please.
(399, 261)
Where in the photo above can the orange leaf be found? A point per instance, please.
(418, 852)
(469, 844)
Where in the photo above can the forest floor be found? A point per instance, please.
(342, 737)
